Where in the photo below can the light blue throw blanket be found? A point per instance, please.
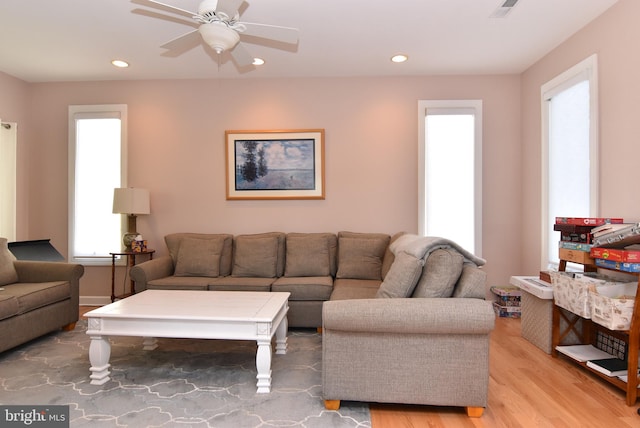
(421, 246)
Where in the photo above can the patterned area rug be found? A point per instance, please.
(184, 382)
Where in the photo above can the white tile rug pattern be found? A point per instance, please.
(183, 383)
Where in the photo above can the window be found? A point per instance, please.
(8, 148)
(97, 165)
(570, 152)
(450, 162)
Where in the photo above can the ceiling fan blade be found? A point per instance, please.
(165, 7)
(229, 7)
(241, 56)
(182, 43)
(170, 18)
(273, 32)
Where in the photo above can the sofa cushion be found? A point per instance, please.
(440, 274)
(231, 283)
(179, 283)
(402, 277)
(34, 295)
(305, 288)
(360, 255)
(255, 257)
(8, 274)
(8, 306)
(199, 257)
(345, 289)
(173, 241)
(389, 256)
(471, 282)
(307, 255)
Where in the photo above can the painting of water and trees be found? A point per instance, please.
(275, 164)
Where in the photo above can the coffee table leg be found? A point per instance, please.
(281, 337)
(149, 343)
(263, 364)
(99, 353)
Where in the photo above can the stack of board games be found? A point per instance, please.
(617, 246)
(576, 236)
(507, 302)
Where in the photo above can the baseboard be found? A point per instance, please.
(94, 300)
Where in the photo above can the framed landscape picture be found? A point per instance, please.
(285, 164)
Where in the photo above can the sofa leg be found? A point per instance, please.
(332, 404)
(69, 327)
(474, 412)
(319, 330)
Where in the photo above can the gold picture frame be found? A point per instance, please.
(279, 164)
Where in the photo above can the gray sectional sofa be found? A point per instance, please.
(404, 318)
(36, 298)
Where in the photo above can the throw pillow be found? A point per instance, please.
(8, 274)
(402, 277)
(440, 274)
(199, 257)
(361, 258)
(471, 282)
(255, 256)
(307, 255)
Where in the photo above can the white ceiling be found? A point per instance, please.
(75, 40)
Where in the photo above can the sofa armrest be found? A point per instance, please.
(34, 271)
(411, 315)
(157, 268)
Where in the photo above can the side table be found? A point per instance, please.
(131, 261)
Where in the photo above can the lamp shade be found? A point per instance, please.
(131, 200)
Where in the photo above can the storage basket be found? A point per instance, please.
(571, 291)
(612, 305)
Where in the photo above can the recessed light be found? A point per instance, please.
(399, 58)
(120, 63)
(258, 61)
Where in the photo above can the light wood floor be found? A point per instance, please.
(527, 388)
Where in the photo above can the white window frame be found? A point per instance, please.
(454, 106)
(8, 181)
(88, 112)
(586, 69)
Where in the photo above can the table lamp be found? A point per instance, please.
(132, 202)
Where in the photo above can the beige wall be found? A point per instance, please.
(614, 38)
(176, 150)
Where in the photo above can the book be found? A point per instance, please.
(625, 267)
(609, 366)
(572, 228)
(580, 246)
(583, 353)
(588, 221)
(620, 238)
(616, 255)
(608, 228)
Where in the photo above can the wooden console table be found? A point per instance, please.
(131, 261)
(631, 337)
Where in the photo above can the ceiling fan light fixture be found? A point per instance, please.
(399, 58)
(220, 37)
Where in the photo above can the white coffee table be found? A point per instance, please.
(232, 315)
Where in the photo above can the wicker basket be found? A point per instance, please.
(612, 305)
(571, 291)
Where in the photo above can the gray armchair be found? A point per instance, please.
(36, 297)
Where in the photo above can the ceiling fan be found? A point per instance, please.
(217, 24)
